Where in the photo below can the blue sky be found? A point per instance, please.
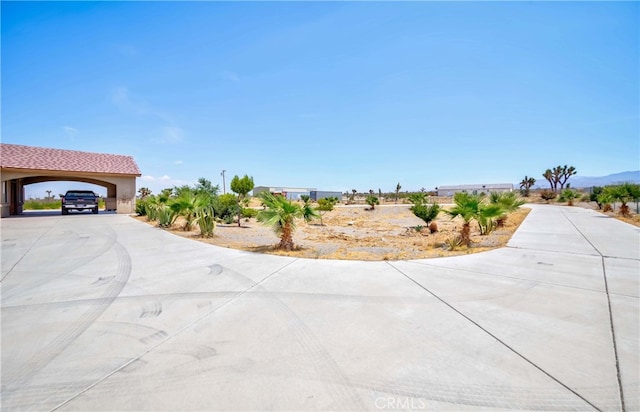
(332, 95)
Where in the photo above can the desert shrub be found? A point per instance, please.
(372, 201)
(41, 204)
(228, 219)
(249, 212)
(548, 195)
(585, 198)
(418, 228)
(453, 242)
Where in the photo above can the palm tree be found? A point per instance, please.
(470, 207)
(308, 212)
(280, 214)
(186, 205)
(509, 203)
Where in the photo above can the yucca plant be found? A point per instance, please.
(206, 220)
(166, 215)
(281, 215)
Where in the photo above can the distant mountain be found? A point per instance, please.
(585, 181)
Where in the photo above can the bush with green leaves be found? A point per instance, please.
(372, 201)
(225, 207)
(249, 213)
(325, 205)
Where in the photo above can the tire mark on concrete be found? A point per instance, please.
(338, 385)
(41, 359)
(108, 235)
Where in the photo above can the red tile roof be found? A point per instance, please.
(16, 156)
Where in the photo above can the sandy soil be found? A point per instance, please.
(354, 233)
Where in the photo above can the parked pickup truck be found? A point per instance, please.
(79, 200)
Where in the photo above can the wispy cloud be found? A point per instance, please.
(229, 75)
(178, 162)
(171, 135)
(128, 102)
(70, 131)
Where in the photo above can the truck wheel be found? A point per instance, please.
(64, 211)
(95, 210)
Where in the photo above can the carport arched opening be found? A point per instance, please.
(111, 188)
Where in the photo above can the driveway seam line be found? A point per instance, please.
(166, 339)
(495, 337)
(612, 329)
(29, 250)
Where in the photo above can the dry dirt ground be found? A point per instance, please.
(354, 233)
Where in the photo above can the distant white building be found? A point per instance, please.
(291, 193)
(475, 189)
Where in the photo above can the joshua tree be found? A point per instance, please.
(559, 176)
(398, 187)
(372, 200)
(526, 184)
(144, 192)
(280, 214)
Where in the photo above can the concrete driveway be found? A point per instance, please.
(101, 312)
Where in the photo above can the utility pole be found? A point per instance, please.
(224, 190)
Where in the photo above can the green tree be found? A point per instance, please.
(241, 186)
(526, 184)
(281, 215)
(204, 187)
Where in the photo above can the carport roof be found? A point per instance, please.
(14, 156)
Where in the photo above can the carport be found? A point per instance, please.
(24, 165)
